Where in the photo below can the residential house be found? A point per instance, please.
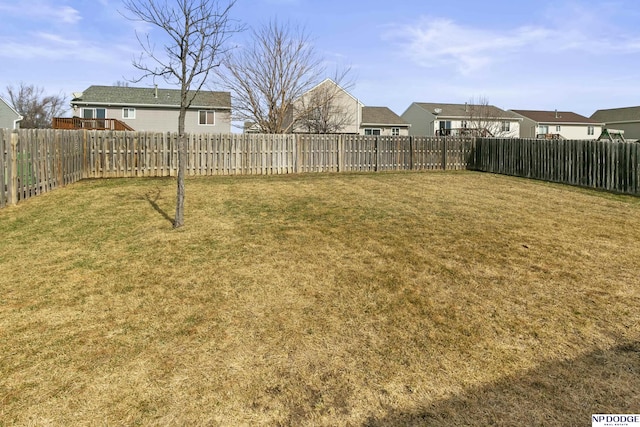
(382, 121)
(626, 119)
(557, 125)
(326, 108)
(329, 108)
(151, 109)
(9, 117)
(428, 118)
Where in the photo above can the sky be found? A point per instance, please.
(569, 55)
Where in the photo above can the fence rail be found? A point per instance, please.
(37, 161)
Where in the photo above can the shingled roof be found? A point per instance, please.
(463, 110)
(381, 116)
(554, 116)
(613, 115)
(137, 96)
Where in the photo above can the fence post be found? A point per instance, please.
(85, 152)
(444, 152)
(13, 164)
(340, 153)
(410, 153)
(377, 153)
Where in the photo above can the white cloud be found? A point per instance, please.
(66, 14)
(42, 10)
(469, 49)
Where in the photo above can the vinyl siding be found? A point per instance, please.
(158, 120)
(7, 116)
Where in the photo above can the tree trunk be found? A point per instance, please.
(182, 167)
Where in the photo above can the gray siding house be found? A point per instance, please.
(154, 109)
(626, 119)
(9, 118)
(429, 119)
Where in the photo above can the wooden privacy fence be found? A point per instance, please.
(36, 161)
(133, 154)
(33, 162)
(605, 165)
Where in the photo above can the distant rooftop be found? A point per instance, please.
(123, 95)
(381, 116)
(463, 110)
(555, 116)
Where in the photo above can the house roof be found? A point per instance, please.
(613, 115)
(381, 116)
(138, 96)
(555, 117)
(462, 110)
(329, 81)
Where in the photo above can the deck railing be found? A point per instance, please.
(89, 124)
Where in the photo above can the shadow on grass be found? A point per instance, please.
(153, 201)
(562, 393)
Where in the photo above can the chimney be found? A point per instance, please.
(556, 113)
(155, 94)
(466, 107)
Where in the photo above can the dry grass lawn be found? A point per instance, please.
(324, 300)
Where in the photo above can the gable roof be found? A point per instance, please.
(462, 110)
(381, 116)
(336, 85)
(555, 117)
(613, 115)
(138, 96)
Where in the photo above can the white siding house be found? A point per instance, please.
(557, 124)
(328, 108)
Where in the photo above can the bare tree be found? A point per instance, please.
(36, 108)
(198, 32)
(485, 120)
(267, 76)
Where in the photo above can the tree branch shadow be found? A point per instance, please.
(560, 393)
(152, 199)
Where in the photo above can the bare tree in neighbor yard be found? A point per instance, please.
(321, 110)
(196, 34)
(484, 119)
(269, 74)
(36, 108)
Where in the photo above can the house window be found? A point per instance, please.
(506, 126)
(590, 130)
(128, 113)
(395, 131)
(372, 131)
(543, 129)
(445, 128)
(464, 124)
(206, 117)
(558, 128)
(94, 113)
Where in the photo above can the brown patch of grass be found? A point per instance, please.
(401, 298)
